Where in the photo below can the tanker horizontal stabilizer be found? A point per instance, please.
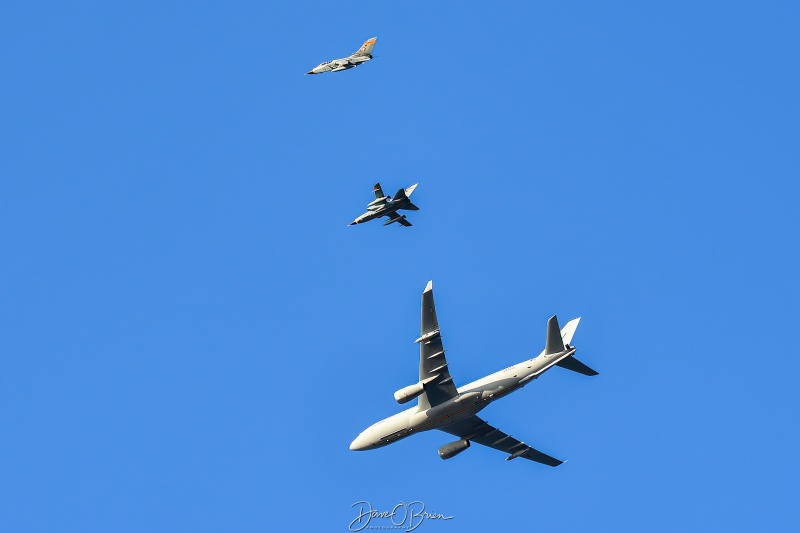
(570, 363)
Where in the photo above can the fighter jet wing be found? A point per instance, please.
(432, 362)
(475, 429)
(394, 217)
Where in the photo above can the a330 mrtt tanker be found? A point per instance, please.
(442, 406)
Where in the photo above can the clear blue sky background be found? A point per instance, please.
(191, 336)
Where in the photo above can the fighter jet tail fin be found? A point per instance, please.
(405, 193)
(366, 48)
(400, 195)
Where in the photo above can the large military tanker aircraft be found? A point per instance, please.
(359, 57)
(442, 406)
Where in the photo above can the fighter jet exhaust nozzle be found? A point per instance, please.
(454, 448)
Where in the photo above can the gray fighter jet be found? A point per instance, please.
(383, 206)
(442, 406)
(359, 57)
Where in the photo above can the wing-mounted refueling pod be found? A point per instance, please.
(518, 453)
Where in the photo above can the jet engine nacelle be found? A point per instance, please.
(406, 394)
(454, 448)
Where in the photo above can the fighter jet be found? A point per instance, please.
(362, 55)
(454, 410)
(383, 206)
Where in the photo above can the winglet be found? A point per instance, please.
(429, 286)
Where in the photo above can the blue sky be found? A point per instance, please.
(191, 335)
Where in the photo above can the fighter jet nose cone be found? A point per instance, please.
(310, 72)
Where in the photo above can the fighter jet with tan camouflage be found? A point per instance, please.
(384, 206)
(359, 57)
(454, 410)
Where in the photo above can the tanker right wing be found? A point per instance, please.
(439, 386)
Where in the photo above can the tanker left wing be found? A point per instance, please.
(475, 429)
(433, 371)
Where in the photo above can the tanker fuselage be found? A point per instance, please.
(471, 399)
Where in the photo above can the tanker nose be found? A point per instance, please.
(360, 443)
